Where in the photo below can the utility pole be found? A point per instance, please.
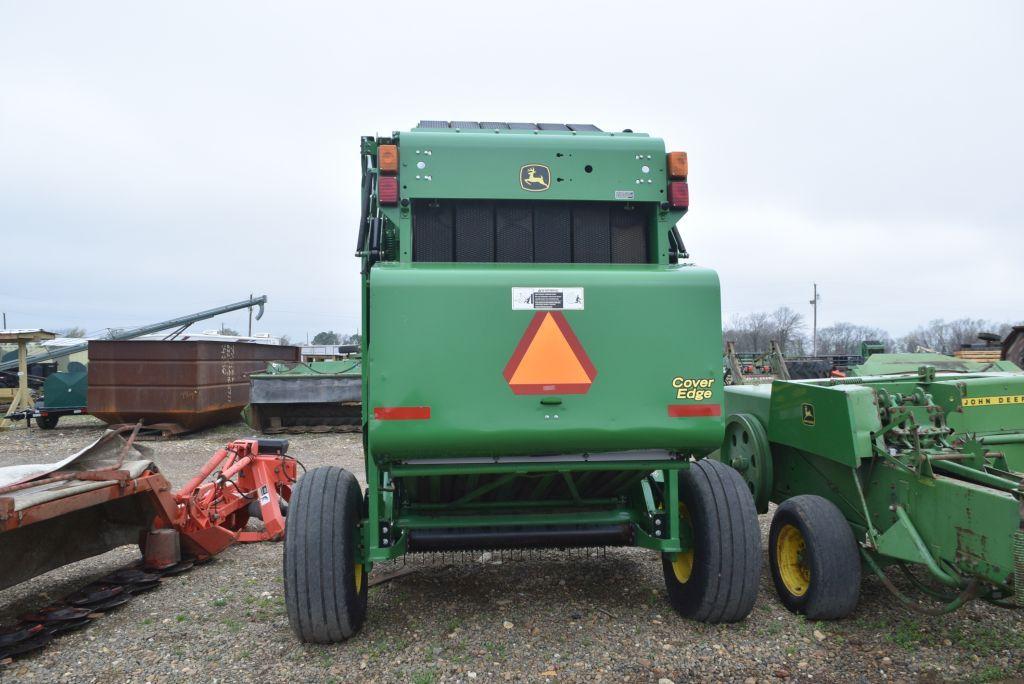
(5, 320)
(814, 307)
(250, 314)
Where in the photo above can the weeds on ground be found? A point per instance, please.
(991, 673)
(424, 677)
(234, 626)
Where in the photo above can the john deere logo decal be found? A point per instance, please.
(535, 177)
(808, 414)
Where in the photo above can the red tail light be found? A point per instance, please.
(387, 189)
(678, 195)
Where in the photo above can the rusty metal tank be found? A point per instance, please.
(190, 385)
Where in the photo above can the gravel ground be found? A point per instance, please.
(555, 616)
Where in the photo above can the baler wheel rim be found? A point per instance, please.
(747, 450)
(793, 569)
(682, 565)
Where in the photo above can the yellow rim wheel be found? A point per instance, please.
(682, 566)
(789, 555)
(359, 577)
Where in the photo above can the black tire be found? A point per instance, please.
(828, 569)
(47, 422)
(722, 583)
(324, 603)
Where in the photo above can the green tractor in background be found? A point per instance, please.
(540, 370)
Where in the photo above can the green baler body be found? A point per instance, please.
(452, 442)
(943, 463)
(443, 334)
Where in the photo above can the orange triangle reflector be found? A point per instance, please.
(549, 359)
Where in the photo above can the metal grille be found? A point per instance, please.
(433, 232)
(474, 231)
(530, 231)
(514, 223)
(1018, 568)
(551, 236)
(591, 240)
(628, 228)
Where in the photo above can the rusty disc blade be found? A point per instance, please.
(130, 576)
(95, 593)
(178, 568)
(55, 628)
(19, 633)
(38, 641)
(109, 603)
(56, 613)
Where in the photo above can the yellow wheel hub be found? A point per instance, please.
(682, 566)
(359, 577)
(789, 556)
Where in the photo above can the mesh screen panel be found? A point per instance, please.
(433, 232)
(474, 231)
(514, 228)
(591, 241)
(530, 231)
(551, 238)
(628, 235)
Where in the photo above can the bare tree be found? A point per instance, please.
(846, 338)
(752, 332)
(788, 329)
(73, 331)
(948, 336)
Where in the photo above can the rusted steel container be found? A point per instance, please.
(188, 384)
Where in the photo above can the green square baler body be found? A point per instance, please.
(927, 467)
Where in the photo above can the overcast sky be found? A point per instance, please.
(162, 158)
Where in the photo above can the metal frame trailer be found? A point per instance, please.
(511, 273)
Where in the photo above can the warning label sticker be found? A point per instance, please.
(264, 495)
(547, 298)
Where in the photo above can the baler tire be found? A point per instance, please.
(723, 581)
(830, 554)
(325, 590)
